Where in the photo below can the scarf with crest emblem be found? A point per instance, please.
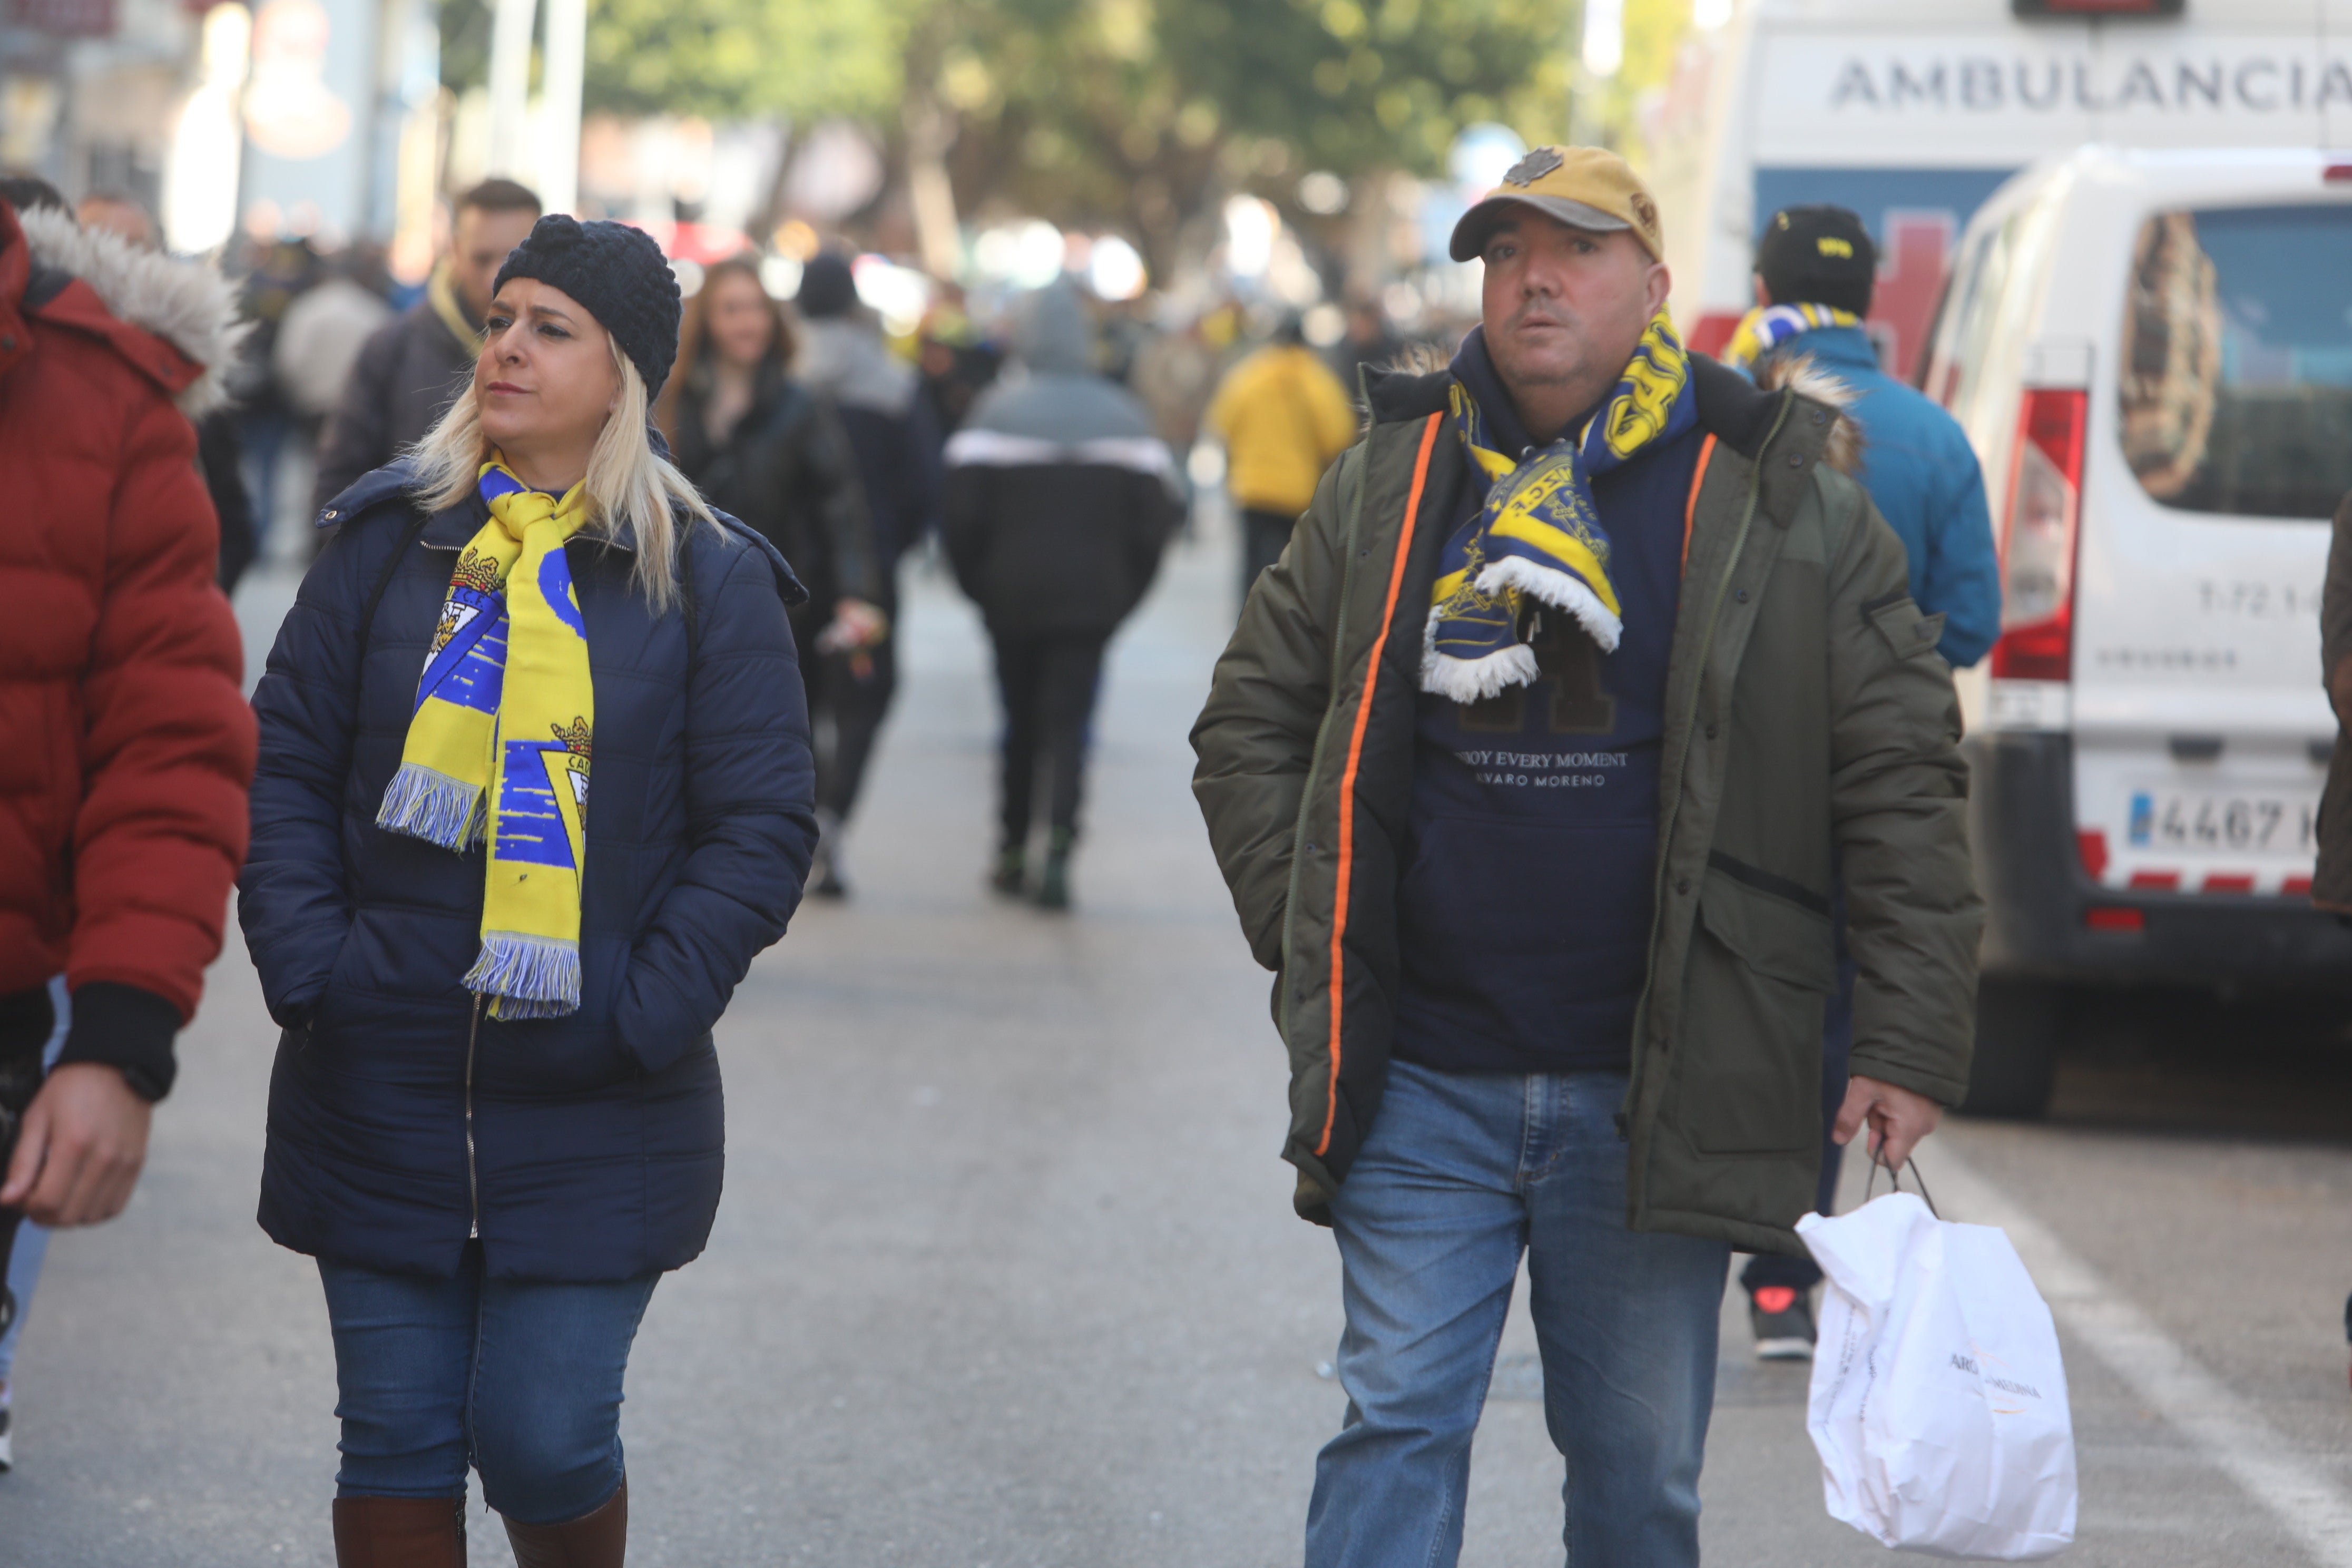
(1538, 537)
(498, 747)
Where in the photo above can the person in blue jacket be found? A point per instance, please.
(1815, 271)
(495, 1119)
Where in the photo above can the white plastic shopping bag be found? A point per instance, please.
(1938, 1403)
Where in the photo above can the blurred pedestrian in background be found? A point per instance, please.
(764, 448)
(1175, 374)
(1369, 343)
(1283, 416)
(218, 453)
(126, 746)
(278, 272)
(957, 362)
(323, 335)
(492, 1183)
(413, 367)
(1060, 499)
(876, 396)
(1527, 878)
(1816, 270)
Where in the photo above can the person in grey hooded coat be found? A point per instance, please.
(1060, 498)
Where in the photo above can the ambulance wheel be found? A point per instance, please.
(2018, 1026)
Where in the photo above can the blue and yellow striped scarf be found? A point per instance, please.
(1767, 327)
(498, 744)
(1538, 535)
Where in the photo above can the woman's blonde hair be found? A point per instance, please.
(627, 483)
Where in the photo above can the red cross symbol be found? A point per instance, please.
(1910, 280)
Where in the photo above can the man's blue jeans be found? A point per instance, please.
(520, 1379)
(1461, 1173)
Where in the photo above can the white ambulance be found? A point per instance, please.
(2147, 335)
(1912, 112)
(2151, 352)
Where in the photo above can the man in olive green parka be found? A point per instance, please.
(1802, 731)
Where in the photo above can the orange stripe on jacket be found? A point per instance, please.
(1690, 506)
(1355, 756)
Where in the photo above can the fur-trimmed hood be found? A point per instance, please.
(188, 304)
(1800, 374)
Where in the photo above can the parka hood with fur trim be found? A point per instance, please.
(186, 307)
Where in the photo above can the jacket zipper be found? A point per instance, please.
(1690, 726)
(473, 1182)
(1332, 705)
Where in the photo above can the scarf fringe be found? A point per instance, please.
(1559, 589)
(441, 810)
(528, 976)
(1467, 680)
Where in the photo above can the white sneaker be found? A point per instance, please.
(8, 1457)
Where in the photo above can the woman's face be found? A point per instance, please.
(546, 381)
(741, 323)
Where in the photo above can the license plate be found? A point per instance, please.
(2222, 823)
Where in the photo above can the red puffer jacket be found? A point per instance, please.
(126, 746)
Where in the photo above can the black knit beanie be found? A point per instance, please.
(828, 288)
(618, 274)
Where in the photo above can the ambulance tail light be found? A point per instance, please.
(2038, 538)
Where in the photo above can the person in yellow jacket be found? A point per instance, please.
(1283, 416)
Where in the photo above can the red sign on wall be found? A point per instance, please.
(64, 18)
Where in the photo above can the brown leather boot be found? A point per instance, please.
(598, 1539)
(400, 1532)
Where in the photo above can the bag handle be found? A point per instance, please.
(1878, 1164)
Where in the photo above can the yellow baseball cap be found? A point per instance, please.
(1584, 187)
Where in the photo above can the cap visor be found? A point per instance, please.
(1470, 233)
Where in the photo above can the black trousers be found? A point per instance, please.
(855, 694)
(1048, 687)
(1265, 536)
(849, 696)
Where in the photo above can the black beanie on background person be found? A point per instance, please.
(827, 286)
(618, 274)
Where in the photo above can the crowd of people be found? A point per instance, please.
(494, 1117)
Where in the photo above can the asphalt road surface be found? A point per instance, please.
(1007, 1273)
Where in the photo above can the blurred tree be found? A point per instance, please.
(738, 59)
(1136, 113)
(1352, 85)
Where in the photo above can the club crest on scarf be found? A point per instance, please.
(500, 742)
(1538, 536)
(1767, 327)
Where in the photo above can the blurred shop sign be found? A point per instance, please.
(64, 18)
(289, 111)
(307, 166)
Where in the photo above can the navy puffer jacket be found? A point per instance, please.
(584, 1147)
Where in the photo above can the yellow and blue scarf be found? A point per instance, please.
(1538, 535)
(1767, 327)
(498, 747)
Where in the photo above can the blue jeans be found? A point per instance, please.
(520, 1379)
(32, 1245)
(1462, 1172)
